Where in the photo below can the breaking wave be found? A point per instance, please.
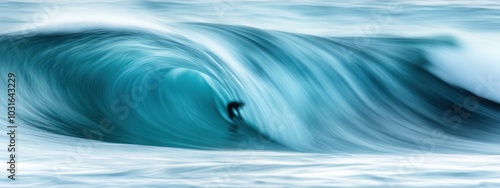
(302, 92)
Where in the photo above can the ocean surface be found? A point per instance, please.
(337, 93)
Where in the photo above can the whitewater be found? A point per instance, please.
(337, 94)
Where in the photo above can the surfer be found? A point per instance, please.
(233, 109)
(234, 114)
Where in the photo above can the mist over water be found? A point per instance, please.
(370, 93)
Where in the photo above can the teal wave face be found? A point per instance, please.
(302, 92)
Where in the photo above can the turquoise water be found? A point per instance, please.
(368, 94)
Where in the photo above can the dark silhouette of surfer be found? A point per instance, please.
(233, 109)
(234, 114)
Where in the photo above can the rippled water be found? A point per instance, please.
(370, 93)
